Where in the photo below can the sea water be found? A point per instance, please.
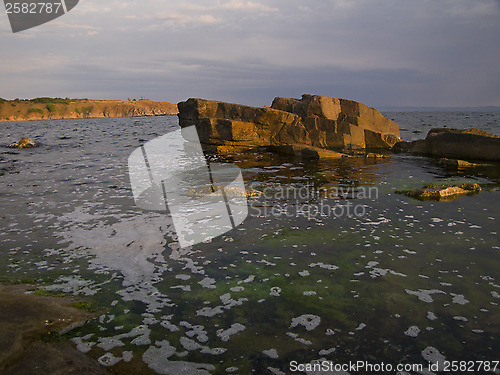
(397, 281)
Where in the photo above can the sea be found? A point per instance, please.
(332, 267)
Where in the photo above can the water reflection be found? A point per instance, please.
(405, 282)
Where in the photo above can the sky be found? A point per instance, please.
(380, 52)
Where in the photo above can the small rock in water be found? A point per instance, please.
(442, 192)
(24, 143)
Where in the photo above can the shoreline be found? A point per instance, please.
(30, 327)
(69, 109)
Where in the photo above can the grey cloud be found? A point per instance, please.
(385, 53)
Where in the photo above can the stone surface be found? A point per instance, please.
(317, 121)
(24, 143)
(469, 144)
(24, 319)
(309, 152)
(442, 192)
(456, 163)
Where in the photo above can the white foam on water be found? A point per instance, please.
(127, 356)
(424, 295)
(361, 326)
(82, 346)
(431, 354)
(75, 285)
(275, 291)
(157, 359)
(412, 331)
(133, 246)
(459, 299)
(233, 330)
(271, 353)
(309, 321)
(207, 282)
(196, 331)
(330, 267)
(327, 351)
(140, 334)
(184, 288)
(209, 311)
(189, 344)
(108, 360)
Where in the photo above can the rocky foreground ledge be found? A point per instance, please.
(30, 328)
(311, 124)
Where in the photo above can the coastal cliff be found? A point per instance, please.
(468, 144)
(60, 109)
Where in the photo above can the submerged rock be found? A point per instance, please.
(230, 191)
(470, 144)
(24, 143)
(456, 163)
(318, 122)
(442, 192)
(307, 152)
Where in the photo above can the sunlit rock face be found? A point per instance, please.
(317, 121)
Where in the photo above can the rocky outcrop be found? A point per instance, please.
(341, 123)
(442, 192)
(316, 121)
(24, 143)
(28, 334)
(469, 144)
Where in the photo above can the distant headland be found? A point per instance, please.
(60, 109)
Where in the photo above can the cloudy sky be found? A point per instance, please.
(380, 52)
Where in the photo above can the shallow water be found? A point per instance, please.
(299, 280)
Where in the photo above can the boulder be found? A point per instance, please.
(317, 121)
(469, 144)
(24, 143)
(442, 192)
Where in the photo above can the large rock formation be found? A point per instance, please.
(317, 121)
(470, 144)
